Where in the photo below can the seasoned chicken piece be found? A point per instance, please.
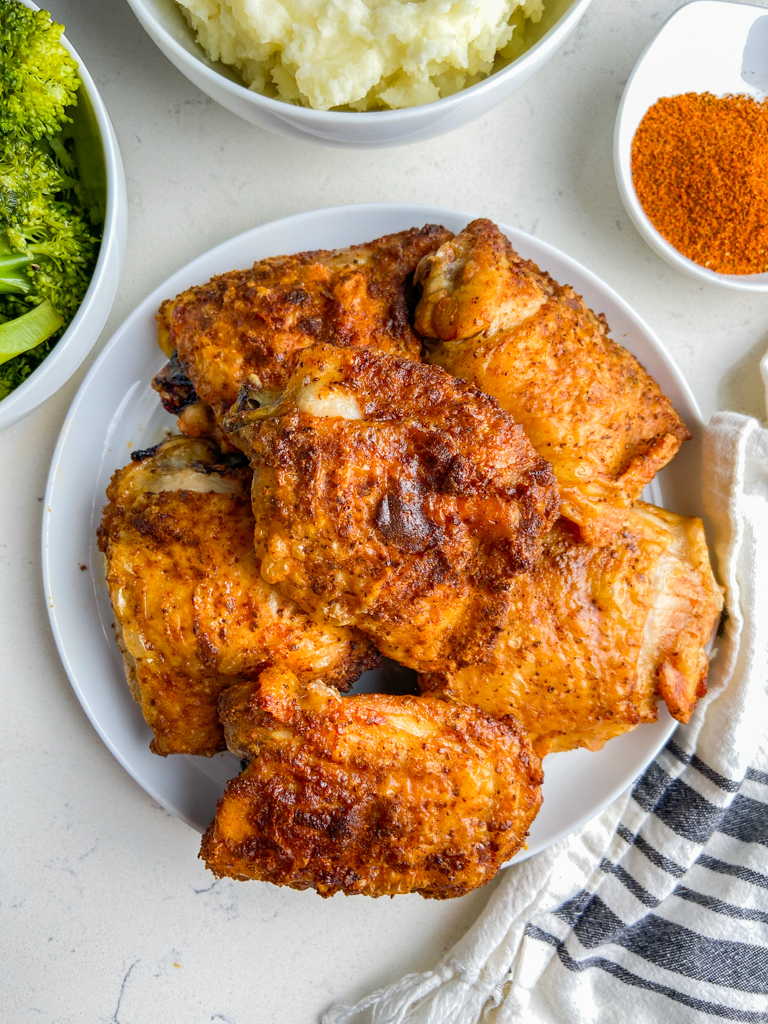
(256, 321)
(390, 496)
(586, 404)
(369, 794)
(596, 636)
(192, 613)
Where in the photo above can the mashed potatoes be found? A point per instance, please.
(361, 54)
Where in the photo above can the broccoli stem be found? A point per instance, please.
(13, 280)
(29, 330)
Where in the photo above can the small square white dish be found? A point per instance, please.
(715, 46)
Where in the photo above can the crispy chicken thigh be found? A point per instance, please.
(256, 321)
(192, 612)
(596, 636)
(370, 794)
(390, 496)
(586, 404)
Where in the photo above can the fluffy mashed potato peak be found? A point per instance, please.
(361, 54)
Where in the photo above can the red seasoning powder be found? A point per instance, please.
(700, 170)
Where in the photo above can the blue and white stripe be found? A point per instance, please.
(680, 910)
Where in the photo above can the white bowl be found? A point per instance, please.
(80, 337)
(712, 46)
(166, 25)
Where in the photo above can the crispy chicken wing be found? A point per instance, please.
(256, 321)
(586, 404)
(192, 612)
(595, 636)
(390, 496)
(369, 794)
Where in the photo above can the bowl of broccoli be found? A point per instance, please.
(62, 210)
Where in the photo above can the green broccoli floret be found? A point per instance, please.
(38, 77)
(48, 248)
(28, 171)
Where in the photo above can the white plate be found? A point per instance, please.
(706, 46)
(116, 410)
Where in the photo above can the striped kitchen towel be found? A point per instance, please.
(657, 910)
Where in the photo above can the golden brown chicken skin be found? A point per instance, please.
(192, 612)
(369, 794)
(390, 496)
(586, 404)
(596, 636)
(256, 321)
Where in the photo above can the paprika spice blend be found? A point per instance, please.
(700, 171)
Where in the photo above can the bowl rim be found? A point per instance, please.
(755, 283)
(25, 397)
(549, 41)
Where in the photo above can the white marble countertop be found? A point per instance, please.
(105, 912)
